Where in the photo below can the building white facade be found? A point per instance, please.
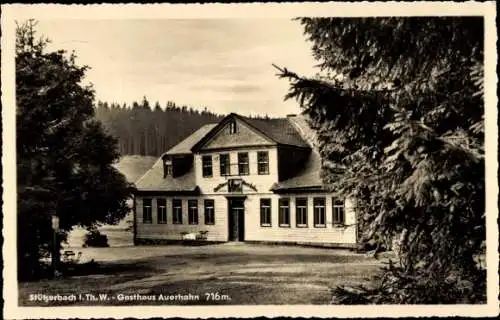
(243, 179)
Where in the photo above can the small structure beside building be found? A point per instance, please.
(243, 179)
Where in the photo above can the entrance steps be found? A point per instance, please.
(234, 243)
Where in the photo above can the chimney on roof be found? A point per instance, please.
(291, 115)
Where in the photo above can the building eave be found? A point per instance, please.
(298, 189)
(188, 192)
(294, 146)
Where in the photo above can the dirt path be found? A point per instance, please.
(243, 274)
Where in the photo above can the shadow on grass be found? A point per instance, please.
(68, 270)
(238, 258)
(107, 268)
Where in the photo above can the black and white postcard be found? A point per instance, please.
(272, 159)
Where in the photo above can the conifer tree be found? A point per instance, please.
(398, 108)
(64, 157)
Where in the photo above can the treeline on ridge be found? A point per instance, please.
(150, 130)
(142, 129)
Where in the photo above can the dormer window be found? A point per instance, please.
(167, 168)
(232, 127)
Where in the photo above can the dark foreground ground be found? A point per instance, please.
(231, 273)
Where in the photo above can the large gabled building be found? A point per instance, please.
(243, 179)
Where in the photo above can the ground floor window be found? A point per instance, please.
(265, 212)
(147, 214)
(284, 212)
(209, 211)
(338, 212)
(161, 205)
(193, 211)
(301, 212)
(319, 212)
(176, 211)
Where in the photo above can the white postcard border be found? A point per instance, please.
(10, 13)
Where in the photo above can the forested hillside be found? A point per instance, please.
(150, 130)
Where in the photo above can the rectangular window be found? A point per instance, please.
(176, 211)
(265, 212)
(284, 213)
(209, 212)
(147, 213)
(319, 213)
(263, 162)
(338, 212)
(232, 127)
(225, 168)
(207, 166)
(193, 211)
(243, 169)
(301, 212)
(168, 169)
(161, 205)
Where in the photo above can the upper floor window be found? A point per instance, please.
(147, 213)
(284, 213)
(265, 212)
(301, 212)
(209, 211)
(161, 205)
(168, 169)
(193, 211)
(319, 212)
(338, 212)
(232, 127)
(243, 168)
(177, 211)
(207, 166)
(225, 168)
(263, 162)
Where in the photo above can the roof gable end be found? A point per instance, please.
(221, 137)
(274, 131)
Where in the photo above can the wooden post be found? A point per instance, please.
(55, 245)
(135, 219)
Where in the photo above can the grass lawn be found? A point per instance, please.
(216, 274)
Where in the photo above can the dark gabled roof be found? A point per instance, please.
(134, 167)
(153, 180)
(279, 130)
(293, 131)
(184, 147)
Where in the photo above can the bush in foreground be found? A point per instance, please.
(96, 239)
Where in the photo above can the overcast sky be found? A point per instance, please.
(222, 64)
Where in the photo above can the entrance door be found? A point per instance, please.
(236, 219)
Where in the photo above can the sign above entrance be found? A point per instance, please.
(235, 186)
